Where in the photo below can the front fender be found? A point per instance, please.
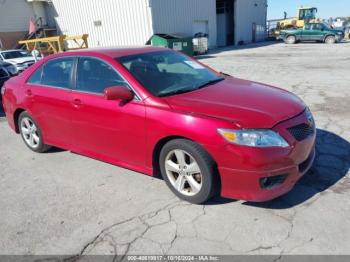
(162, 123)
(327, 35)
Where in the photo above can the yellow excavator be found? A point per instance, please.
(304, 15)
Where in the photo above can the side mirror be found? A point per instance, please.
(118, 93)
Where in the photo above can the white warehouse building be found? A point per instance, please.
(133, 22)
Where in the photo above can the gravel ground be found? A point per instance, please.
(63, 203)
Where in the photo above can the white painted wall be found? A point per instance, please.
(15, 15)
(184, 16)
(122, 22)
(246, 13)
(133, 22)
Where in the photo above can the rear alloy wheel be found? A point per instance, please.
(330, 40)
(31, 133)
(188, 170)
(291, 40)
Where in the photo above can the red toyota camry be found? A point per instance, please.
(154, 110)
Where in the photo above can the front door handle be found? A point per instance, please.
(77, 103)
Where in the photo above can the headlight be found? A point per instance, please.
(12, 69)
(253, 137)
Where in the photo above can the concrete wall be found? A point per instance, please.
(14, 20)
(248, 12)
(108, 22)
(184, 16)
(15, 15)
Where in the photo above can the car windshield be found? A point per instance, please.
(15, 54)
(167, 73)
(326, 26)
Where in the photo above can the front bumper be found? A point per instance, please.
(22, 67)
(339, 38)
(243, 168)
(245, 185)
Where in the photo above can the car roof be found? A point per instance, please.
(116, 52)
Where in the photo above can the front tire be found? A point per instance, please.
(31, 133)
(330, 40)
(189, 171)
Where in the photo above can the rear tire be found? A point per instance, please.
(31, 133)
(189, 171)
(330, 40)
(291, 40)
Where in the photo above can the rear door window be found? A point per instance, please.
(35, 78)
(307, 27)
(57, 72)
(317, 27)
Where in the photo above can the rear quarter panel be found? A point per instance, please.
(286, 33)
(15, 97)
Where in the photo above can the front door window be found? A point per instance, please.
(94, 76)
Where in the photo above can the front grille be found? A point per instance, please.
(301, 132)
(3, 73)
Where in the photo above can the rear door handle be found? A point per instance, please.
(29, 92)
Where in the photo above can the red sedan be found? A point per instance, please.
(154, 110)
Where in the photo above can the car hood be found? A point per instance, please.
(338, 31)
(20, 60)
(2, 63)
(248, 104)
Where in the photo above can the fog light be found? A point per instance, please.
(273, 181)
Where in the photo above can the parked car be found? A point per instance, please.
(18, 57)
(7, 70)
(155, 110)
(318, 32)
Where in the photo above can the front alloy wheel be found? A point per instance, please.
(189, 171)
(183, 172)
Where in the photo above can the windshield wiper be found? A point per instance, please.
(210, 82)
(176, 92)
(186, 90)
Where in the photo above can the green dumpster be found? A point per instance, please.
(174, 41)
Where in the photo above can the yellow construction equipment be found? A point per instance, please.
(304, 15)
(56, 44)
